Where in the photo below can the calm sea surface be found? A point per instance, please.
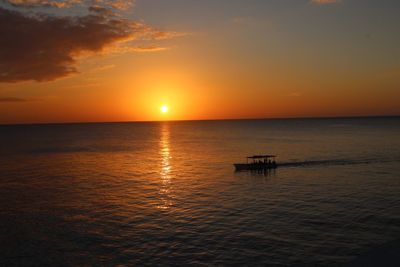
(124, 194)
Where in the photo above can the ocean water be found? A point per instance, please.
(162, 194)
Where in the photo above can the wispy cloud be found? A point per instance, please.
(116, 4)
(142, 48)
(44, 47)
(83, 85)
(103, 67)
(325, 2)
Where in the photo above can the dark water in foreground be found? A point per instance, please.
(166, 193)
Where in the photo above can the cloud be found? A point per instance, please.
(12, 99)
(325, 2)
(120, 4)
(117, 4)
(138, 48)
(148, 48)
(44, 47)
(104, 67)
(43, 3)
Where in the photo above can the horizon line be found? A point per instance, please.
(203, 120)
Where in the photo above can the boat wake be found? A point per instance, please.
(335, 162)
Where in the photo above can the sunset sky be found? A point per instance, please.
(117, 60)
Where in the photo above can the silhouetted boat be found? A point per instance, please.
(257, 163)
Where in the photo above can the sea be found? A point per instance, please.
(167, 194)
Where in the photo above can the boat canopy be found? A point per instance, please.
(262, 157)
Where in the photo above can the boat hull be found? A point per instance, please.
(254, 167)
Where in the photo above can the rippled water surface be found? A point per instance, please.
(167, 194)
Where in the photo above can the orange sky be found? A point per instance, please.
(239, 62)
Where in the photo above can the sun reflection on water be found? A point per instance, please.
(165, 172)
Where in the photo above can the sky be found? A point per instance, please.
(121, 60)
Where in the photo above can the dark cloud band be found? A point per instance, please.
(43, 47)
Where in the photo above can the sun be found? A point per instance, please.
(164, 109)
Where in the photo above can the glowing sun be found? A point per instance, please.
(164, 109)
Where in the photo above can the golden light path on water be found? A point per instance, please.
(165, 172)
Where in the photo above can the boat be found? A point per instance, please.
(257, 163)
